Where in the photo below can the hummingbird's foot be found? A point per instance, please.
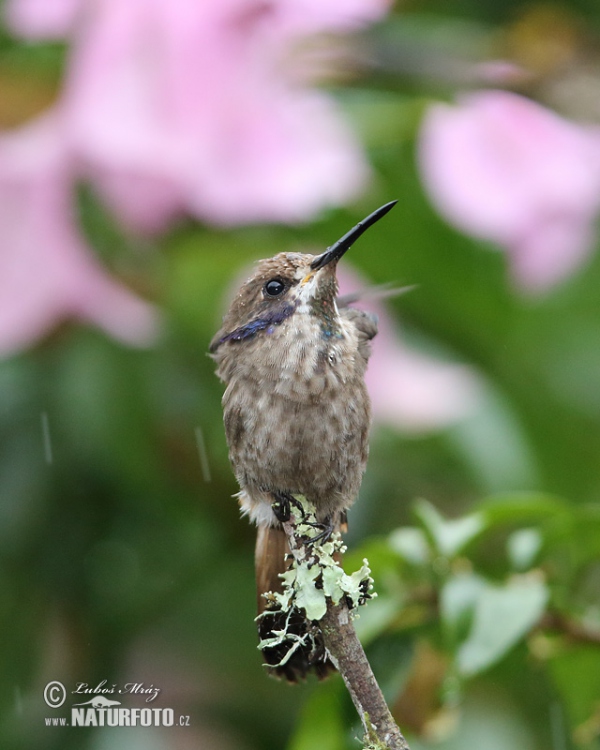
(282, 509)
(324, 535)
(282, 506)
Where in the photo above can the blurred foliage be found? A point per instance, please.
(453, 622)
(121, 559)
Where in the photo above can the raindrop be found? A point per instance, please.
(202, 454)
(46, 438)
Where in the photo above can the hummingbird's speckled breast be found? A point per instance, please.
(297, 414)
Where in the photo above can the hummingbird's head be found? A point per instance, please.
(289, 284)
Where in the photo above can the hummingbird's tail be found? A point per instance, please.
(270, 560)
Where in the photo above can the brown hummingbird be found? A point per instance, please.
(296, 410)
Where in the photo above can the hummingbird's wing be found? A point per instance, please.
(373, 294)
(365, 324)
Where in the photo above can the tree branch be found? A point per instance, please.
(573, 629)
(347, 653)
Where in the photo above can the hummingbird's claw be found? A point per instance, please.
(323, 536)
(282, 506)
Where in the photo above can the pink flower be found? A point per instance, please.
(42, 19)
(167, 107)
(47, 273)
(196, 106)
(505, 169)
(409, 390)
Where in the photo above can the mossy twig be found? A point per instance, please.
(334, 600)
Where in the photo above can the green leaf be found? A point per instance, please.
(503, 615)
(458, 598)
(449, 537)
(411, 544)
(523, 547)
(575, 535)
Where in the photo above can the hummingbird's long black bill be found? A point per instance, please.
(336, 251)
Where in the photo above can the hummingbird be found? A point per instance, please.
(296, 410)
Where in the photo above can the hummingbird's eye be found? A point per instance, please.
(274, 287)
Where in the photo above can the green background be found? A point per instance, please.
(122, 559)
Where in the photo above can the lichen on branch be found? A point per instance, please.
(313, 578)
(316, 588)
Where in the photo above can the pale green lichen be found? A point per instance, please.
(314, 576)
(284, 636)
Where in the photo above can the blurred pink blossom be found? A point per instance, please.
(42, 19)
(46, 271)
(505, 169)
(196, 106)
(166, 108)
(410, 390)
